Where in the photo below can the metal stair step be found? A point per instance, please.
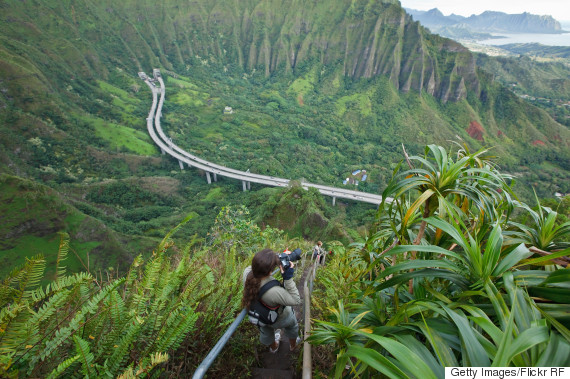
(269, 373)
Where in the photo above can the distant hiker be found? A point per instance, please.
(319, 252)
(276, 298)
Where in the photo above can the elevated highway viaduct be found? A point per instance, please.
(211, 169)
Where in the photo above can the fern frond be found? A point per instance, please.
(63, 334)
(145, 367)
(13, 324)
(33, 273)
(13, 287)
(85, 356)
(137, 262)
(121, 350)
(117, 307)
(150, 277)
(31, 327)
(129, 373)
(179, 325)
(50, 306)
(8, 313)
(112, 324)
(61, 283)
(60, 369)
(7, 293)
(166, 240)
(62, 254)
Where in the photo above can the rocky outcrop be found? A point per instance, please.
(475, 130)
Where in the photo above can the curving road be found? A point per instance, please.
(167, 146)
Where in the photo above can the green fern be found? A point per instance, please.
(166, 241)
(63, 282)
(14, 286)
(117, 318)
(63, 334)
(85, 357)
(13, 327)
(16, 311)
(73, 324)
(60, 369)
(33, 273)
(145, 367)
(178, 326)
(62, 254)
(121, 350)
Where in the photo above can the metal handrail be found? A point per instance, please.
(307, 290)
(207, 362)
(213, 354)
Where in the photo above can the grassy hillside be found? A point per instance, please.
(33, 218)
(545, 84)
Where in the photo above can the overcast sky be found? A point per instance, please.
(559, 9)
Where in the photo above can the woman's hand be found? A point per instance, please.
(291, 264)
(288, 274)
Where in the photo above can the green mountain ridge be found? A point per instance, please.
(320, 89)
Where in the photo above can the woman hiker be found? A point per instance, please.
(319, 252)
(257, 275)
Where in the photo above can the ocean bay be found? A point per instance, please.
(561, 39)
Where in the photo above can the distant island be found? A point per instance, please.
(480, 26)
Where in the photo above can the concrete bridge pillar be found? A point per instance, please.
(162, 150)
(215, 177)
(334, 201)
(181, 165)
(244, 185)
(248, 186)
(208, 177)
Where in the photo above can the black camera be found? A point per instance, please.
(286, 259)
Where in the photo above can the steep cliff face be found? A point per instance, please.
(367, 38)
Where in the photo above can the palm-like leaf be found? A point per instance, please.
(545, 234)
(448, 186)
(467, 303)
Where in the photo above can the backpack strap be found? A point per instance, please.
(266, 287)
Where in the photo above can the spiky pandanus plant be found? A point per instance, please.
(451, 188)
(545, 236)
(470, 303)
(446, 186)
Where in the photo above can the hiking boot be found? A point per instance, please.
(277, 339)
(297, 343)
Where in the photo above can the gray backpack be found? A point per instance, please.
(261, 314)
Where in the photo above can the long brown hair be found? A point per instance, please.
(262, 264)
